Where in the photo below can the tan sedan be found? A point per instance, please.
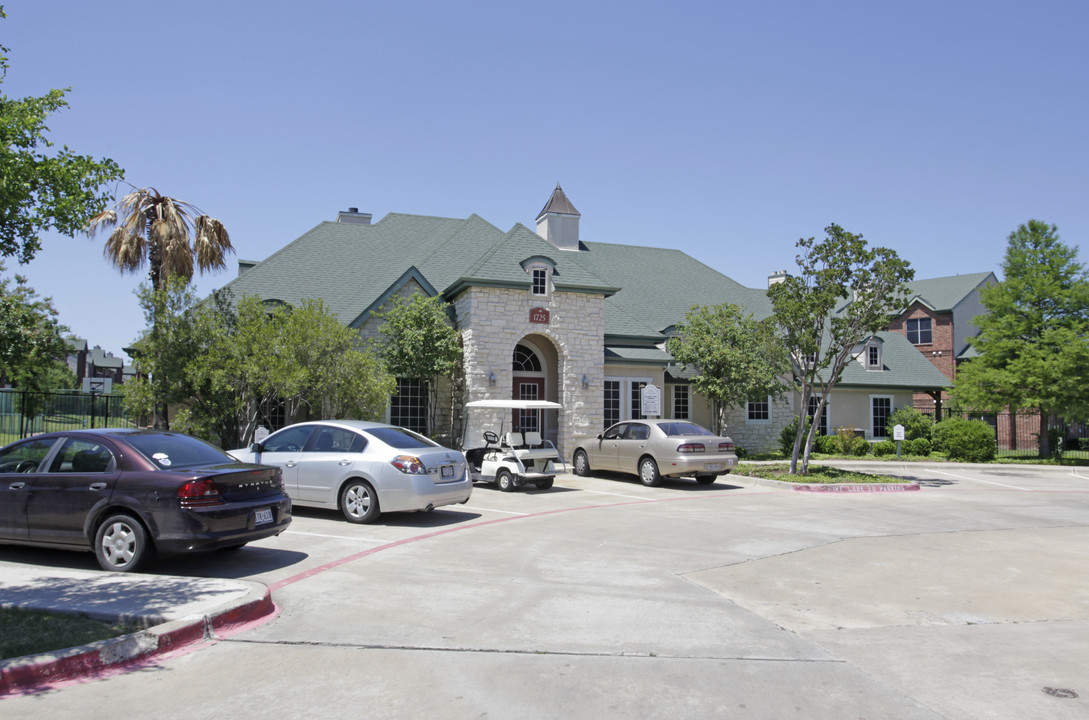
(653, 449)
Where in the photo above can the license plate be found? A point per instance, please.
(446, 471)
(714, 466)
(261, 517)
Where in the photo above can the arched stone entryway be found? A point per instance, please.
(535, 372)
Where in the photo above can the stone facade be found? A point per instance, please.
(760, 436)
(494, 320)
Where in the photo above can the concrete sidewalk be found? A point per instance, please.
(175, 612)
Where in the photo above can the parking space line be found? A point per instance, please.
(602, 492)
(334, 537)
(507, 512)
(989, 482)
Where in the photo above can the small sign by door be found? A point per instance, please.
(651, 400)
(539, 315)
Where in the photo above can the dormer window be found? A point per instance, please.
(871, 356)
(540, 270)
(540, 281)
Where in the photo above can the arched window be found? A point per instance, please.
(525, 360)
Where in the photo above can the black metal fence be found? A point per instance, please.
(24, 413)
(1018, 433)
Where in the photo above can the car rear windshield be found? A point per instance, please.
(400, 438)
(172, 451)
(676, 429)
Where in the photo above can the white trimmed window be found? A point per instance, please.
(919, 331)
(880, 410)
(758, 410)
(681, 406)
(540, 281)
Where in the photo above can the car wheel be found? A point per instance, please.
(359, 502)
(122, 544)
(504, 480)
(545, 484)
(705, 479)
(648, 472)
(582, 463)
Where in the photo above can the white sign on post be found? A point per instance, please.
(898, 432)
(651, 399)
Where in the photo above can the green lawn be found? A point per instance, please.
(27, 632)
(817, 475)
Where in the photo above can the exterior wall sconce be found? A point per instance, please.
(491, 378)
(936, 353)
(585, 382)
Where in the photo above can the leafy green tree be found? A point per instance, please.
(419, 342)
(31, 336)
(1033, 340)
(844, 292)
(259, 357)
(41, 190)
(177, 333)
(735, 356)
(155, 230)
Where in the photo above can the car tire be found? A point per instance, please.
(706, 479)
(122, 544)
(582, 463)
(504, 480)
(359, 502)
(648, 472)
(545, 484)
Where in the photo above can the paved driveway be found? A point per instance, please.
(602, 598)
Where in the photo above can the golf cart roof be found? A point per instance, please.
(514, 404)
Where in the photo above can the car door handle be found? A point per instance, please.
(17, 486)
(290, 463)
(98, 486)
(343, 463)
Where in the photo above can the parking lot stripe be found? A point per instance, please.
(989, 482)
(602, 492)
(334, 537)
(507, 512)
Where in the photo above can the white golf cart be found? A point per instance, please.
(510, 458)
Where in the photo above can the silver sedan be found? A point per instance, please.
(653, 449)
(363, 468)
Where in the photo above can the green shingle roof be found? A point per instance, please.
(904, 367)
(351, 266)
(945, 293)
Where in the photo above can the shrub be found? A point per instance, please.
(847, 443)
(885, 447)
(741, 452)
(960, 439)
(786, 437)
(916, 425)
(918, 446)
(825, 444)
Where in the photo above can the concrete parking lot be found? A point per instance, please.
(602, 598)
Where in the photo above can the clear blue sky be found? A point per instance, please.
(725, 129)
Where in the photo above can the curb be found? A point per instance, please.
(841, 487)
(37, 672)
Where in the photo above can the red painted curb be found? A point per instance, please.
(858, 488)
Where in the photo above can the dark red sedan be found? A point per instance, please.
(131, 494)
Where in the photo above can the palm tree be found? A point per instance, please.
(156, 229)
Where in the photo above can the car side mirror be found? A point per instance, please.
(600, 436)
(256, 448)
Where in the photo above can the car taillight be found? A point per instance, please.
(199, 492)
(691, 448)
(725, 447)
(409, 464)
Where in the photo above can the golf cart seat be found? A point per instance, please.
(514, 440)
(533, 447)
